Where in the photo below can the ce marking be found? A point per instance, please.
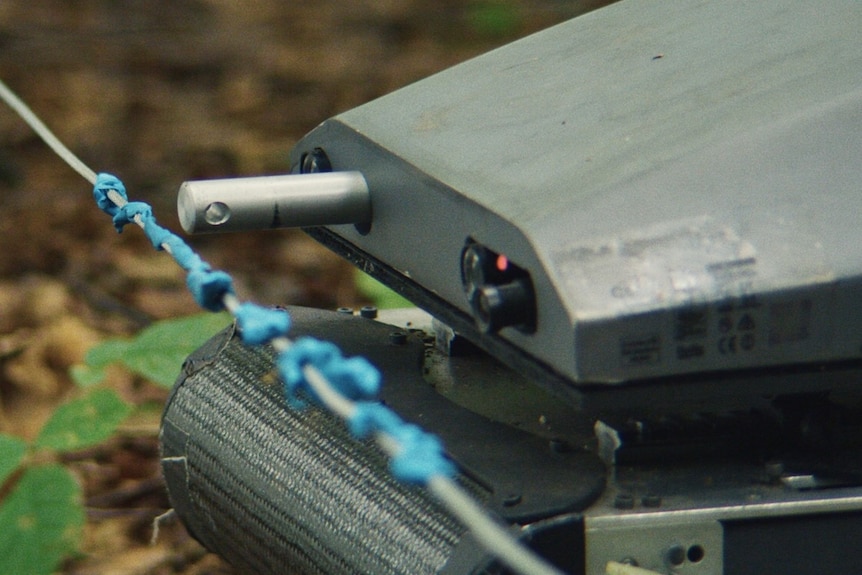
(733, 344)
(727, 345)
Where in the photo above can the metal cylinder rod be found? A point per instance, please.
(241, 204)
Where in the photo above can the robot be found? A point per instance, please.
(634, 237)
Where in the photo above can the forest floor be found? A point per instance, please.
(161, 92)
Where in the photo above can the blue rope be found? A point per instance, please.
(421, 454)
(259, 325)
(208, 287)
(106, 183)
(354, 378)
(418, 457)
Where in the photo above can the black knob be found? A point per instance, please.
(499, 306)
(499, 292)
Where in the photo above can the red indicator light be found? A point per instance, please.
(502, 263)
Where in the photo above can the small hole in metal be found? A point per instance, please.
(217, 213)
(696, 553)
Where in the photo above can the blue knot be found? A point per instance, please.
(127, 213)
(420, 455)
(157, 234)
(209, 287)
(259, 325)
(370, 417)
(104, 184)
(354, 378)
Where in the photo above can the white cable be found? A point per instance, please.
(47, 135)
(120, 201)
(328, 395)
(493, 537)
(231, 303)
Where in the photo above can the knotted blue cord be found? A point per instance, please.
(126, 214)
(354, 378)
(418, 456)
(208, 287)
(259, 325)
(106, 183)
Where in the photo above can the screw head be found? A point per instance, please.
(624, 501)
(511, 499)
(315, 162)
(675, 555)
(217, 213)
(368, 311)
(774, 470)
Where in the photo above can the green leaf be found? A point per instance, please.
(83, 422)
(106, 353)
(156, 353)
(86, 376)
(92, 371)
(12, 452)
(159, 351)
(41, 521)
(494, 18)
(382, 296)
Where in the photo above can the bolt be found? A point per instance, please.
(651, 500)
(624, 501)
(398, 338)
(345, 310)
(368, 311)
(774, 470)
(511, 499)
(675, 555)
(315, 162)
(217, 213)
